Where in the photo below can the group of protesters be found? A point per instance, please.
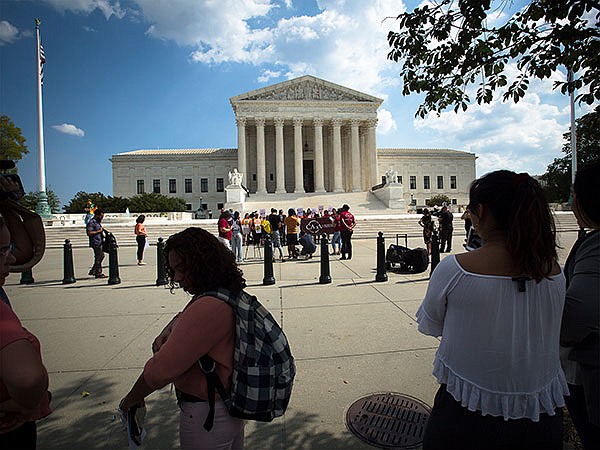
(237, 232)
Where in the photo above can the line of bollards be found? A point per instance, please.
(268, 278)
(325, 277)
(68, 270)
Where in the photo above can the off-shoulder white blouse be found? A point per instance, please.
(499, 352)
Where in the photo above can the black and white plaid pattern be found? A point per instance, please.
(263, 365)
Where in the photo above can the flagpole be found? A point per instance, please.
(42, 207)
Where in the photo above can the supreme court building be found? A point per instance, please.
(301, 136)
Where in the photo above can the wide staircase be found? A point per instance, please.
(367, 227)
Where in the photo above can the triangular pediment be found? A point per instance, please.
(306, 88)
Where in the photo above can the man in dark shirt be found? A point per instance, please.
(446, 229)
(94, 231)
(275, 220)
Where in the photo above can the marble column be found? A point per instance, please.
(279, 159)
(372, 151)
(355, 152)
(337, 155)
(298, 168)
(261, 169)
(241, 128)
(319, 164)
(364, 159)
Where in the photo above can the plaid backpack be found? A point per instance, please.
(263, 365)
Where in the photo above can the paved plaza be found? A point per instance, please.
(350, 338)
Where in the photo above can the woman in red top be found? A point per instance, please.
(198, 263)
(23, 378)
(140, 237)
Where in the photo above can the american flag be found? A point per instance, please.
(42, 61)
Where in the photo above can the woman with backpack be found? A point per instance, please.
(197, 262)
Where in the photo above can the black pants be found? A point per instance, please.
(452, 426)
(587, 431)
(141, 242)
(98, 258)
(24, 437)
(346, 243)
(446, 240)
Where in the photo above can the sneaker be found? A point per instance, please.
(141, 263)
(91, 272)
(101, 275)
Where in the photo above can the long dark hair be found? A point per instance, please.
(208, 263)
(519, 207)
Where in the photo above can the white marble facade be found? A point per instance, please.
(300, 136)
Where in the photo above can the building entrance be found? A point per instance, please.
(309, 175)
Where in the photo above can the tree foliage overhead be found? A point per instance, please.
(12, 142)
(557, 179)
(447, 46)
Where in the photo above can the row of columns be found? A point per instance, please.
(319, 172)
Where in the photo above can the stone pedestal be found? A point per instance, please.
(236, 197)
(392, 196)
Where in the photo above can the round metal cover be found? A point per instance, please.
(388, 420)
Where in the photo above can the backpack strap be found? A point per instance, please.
(208, 366)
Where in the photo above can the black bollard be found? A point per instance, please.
(268, 279)
(26, 277)
(113, 260)
(325, 277)
(381, 272)
(161, 268)
(435, 251)
(69, 272)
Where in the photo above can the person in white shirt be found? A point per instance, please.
(498, 311)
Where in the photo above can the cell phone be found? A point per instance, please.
(16, 194)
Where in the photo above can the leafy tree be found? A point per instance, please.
(12, 142)
(447, 46)
(438, 199)
(105, 203)
(155, 202)
(31, 198)
(557, 179)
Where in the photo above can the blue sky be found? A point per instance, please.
(145, 74)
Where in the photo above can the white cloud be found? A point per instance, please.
(8, 33)
(386, 122)
(268, 75)
(68, 128)
(107, 7)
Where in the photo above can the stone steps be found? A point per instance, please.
(366, 228)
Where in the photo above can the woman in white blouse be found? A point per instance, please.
(498, 311)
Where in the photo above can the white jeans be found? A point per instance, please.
(227, 432)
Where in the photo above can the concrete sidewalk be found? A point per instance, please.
(350, 338)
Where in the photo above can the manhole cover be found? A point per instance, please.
(388, 420)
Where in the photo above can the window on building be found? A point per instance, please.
(188, 185)
(156, 186)
(220, 185)
(440, 180)
(400, 179)
(383, 180)
(172, 186)
(188, 206)
(454, 201)
(205, 206)
(426, 184)
(413, 182)
(203, 184)
(140, 186)
(220, 206)
(253, 177)
(452, 181)
(270, 177)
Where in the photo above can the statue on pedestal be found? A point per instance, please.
(235, 178)
(391, 176)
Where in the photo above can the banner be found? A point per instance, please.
(318, 225)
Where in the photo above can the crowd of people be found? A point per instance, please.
(519, 334)
(237, 232)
